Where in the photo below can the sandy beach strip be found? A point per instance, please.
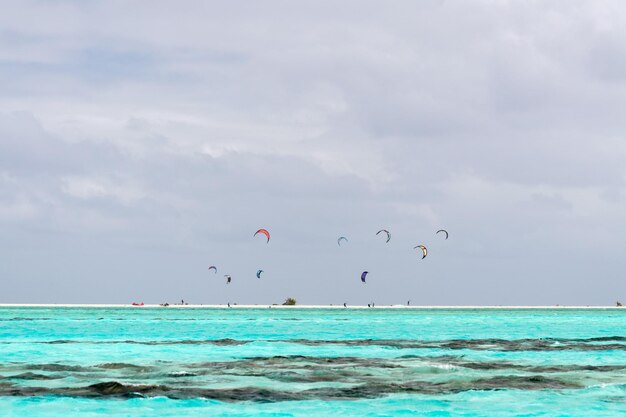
(339, 306)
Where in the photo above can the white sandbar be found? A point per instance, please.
(244, 306)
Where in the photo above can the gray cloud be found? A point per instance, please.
(138, 144)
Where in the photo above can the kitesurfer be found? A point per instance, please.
(265, 232)
(387, 232)
(424, 250)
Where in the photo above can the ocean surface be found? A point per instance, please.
(312, 362)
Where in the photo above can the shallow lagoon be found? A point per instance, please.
(432, 362)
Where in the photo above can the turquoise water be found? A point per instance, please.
(310, 362)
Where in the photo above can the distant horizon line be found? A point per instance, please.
(306, 306)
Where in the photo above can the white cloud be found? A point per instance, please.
(96, 188)
(19, 210)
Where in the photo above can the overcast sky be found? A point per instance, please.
(141, 142)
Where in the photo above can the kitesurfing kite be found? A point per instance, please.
(388, 234)
(258, 273)
(227, 278)
(213, 268)
(444, 231)
(339, 240)
(265, 232)
(363, 275)
(424, 250)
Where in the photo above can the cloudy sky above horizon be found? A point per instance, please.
(141, 142)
